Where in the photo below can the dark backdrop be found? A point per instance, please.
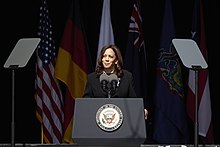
(19, 19)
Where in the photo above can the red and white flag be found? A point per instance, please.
(204, 102)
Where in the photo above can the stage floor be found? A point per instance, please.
(75, 145)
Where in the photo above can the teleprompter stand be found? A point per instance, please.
(193, 59)
(18, 58)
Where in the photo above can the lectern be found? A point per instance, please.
(109, 121)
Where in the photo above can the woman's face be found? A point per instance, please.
(109, 59)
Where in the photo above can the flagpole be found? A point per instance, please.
(196, 125)
(42, 134)
(13, 105)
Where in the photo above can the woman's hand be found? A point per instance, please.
(145, 113)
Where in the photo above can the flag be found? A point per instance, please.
(204, 103)
(71, 67)
(48, 94)
(106, 35)
(135, 53)
(170, 118)
(135, 59)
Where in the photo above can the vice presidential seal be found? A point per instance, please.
(109, 117)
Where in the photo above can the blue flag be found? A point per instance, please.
(170, 120)
(106, 35)
(135, 54)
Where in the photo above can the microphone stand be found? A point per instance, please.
(109, 93)
(112, 84)
(111, 88)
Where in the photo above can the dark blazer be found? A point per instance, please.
(125, 88)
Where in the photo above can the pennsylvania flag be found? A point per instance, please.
(71, 67)
(170, 124)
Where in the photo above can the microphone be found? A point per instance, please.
(113, 79)
(104, 81)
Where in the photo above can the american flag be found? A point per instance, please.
(48, 94)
